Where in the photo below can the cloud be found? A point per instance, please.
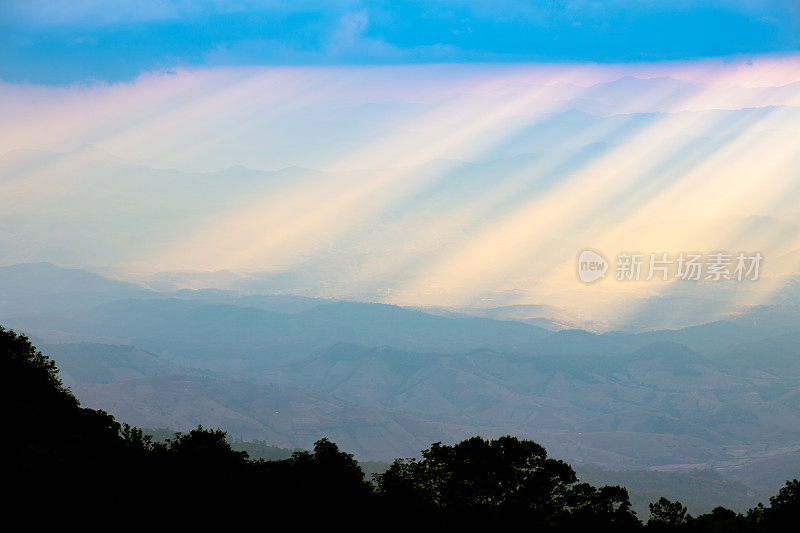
(349, 39)
(130, 37)
(437, 183)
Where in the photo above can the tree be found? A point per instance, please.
(667, 514)
(722, 520)
(55, 449)
(783, 513)
(329, 476)
(505, 478)
(605, 508)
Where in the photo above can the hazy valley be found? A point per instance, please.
(384, 381)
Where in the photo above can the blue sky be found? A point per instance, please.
(62, 42)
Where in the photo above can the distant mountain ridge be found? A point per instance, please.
(717, 396)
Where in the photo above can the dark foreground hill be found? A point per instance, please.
(80, 464)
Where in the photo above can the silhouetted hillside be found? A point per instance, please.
(67, 455)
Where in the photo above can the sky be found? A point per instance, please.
(435, 153)
(69, 41)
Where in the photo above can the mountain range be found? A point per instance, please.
(385, 381)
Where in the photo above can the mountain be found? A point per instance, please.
(72, 451)
(663, 404)
(102, 363)
(711, 337)
(34, 279)
(545, 316)
(711, 396)
(578, 342)
(283, 416)
(378, 324)
(700, 490)
(775, 319)
(768, 473)
(140, 389)
(195, 329)
(32, 288)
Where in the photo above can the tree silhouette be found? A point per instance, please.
(605, 508)
(667, 514)
(784, 510)
(507, 477)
